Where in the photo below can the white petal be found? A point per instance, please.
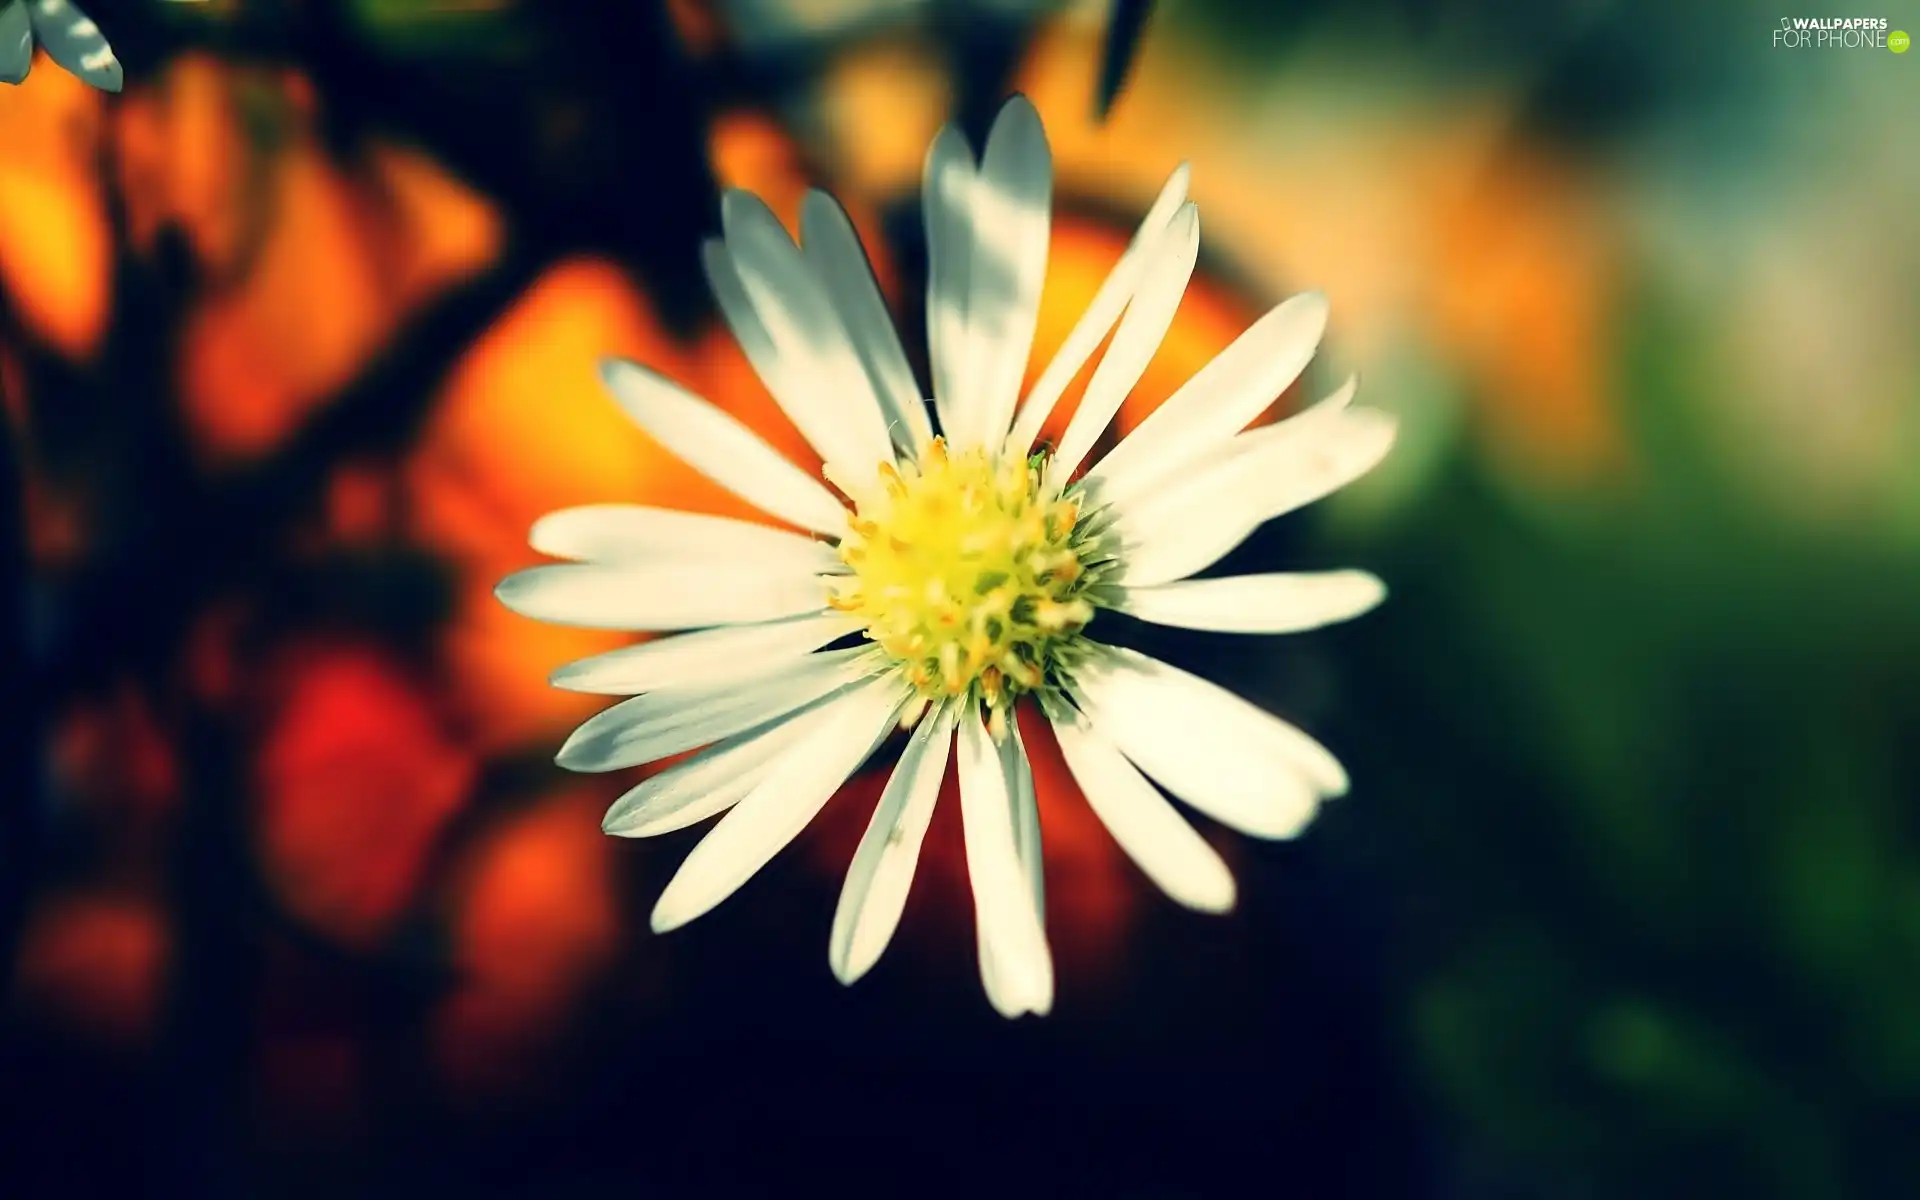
(1104, 309)
(676, 720)
(722, 449)
(1169, 268)
(781, 373)
(661, 596)
(945, 193)
(995, 973)
(633, 532)
(1237, 717)
(1008, 1004)
(1010, 927)
(821, 385)
(1313, 421)
(1325, 418)
(781, 804)
(728, 654)
(1025, 815)
(833, 250)
(1010, 216)
(1190, 524)
(1219, 401)
(1297, 474)
(1186, 527)
(1143, 823)
(882, 872)
(1278, 603)
(714, 779)
(1240, 765)
(1018, 772)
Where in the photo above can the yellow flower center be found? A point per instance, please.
(965, 574)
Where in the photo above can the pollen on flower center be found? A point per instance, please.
(965, 573)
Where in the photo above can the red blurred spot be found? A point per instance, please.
(356, 778)
(537, 921)
(699, 26)
(359, 502)
(56, 523)
(212, 655)
(312, 1077)
(116, 758)
(93, 963)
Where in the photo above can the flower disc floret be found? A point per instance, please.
(966, 573)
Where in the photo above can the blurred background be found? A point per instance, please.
(296, 340)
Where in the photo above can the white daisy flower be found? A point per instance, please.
(966, 568)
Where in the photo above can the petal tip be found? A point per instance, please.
(613, 369)
(665, 917)
(570, 755)
(846, 972)
(1218, 898)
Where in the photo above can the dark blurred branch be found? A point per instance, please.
(20, 798)
(598, 144)
(1125, 31)
(201, 537)
(985, 47)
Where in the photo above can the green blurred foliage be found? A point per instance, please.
(448, 29)
(1651, 763)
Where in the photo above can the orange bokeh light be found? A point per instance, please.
(340, 262)
(55, 251)
(1439, 223)
(536, 923)
(184, 159)
(1529, 263)
(524, 428)
(308, 264)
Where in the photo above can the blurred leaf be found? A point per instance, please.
(1647, 751)
(72, 40)
(447, 29)
(16, 42)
